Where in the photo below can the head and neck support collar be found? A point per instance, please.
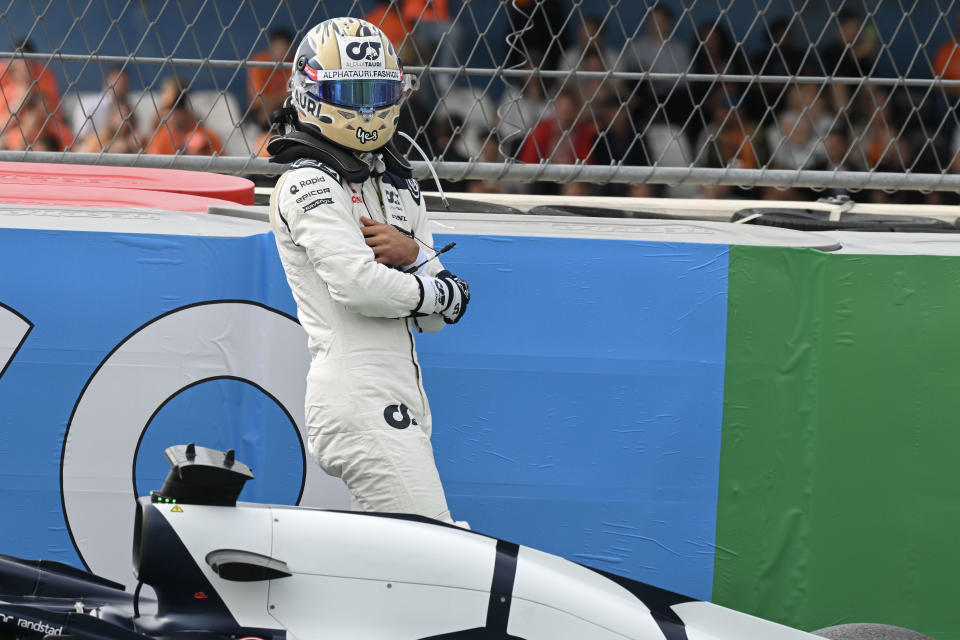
(294, 143)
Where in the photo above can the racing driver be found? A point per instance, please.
(352, 233)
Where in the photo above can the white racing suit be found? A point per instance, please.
(368, 420)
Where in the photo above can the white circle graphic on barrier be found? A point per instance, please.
(239, 339)
(224, 412)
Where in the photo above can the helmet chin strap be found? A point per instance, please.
(284, 119)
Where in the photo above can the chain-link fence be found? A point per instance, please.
(616, 97)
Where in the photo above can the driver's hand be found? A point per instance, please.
(389, 245)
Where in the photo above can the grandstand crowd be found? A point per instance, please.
(600, 120)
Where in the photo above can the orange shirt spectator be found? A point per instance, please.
(267, 86)
(946, 62)
(426, 11)
(31, 76)
(264, 81)
(260, 146)
(14, 73)
(436, 40)
(387, 17)
(736, 147)
(181, 134)
(25, 121)
(23, 81)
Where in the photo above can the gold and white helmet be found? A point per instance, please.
(347, 83)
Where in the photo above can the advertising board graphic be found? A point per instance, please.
(143, 341)
(768, 428)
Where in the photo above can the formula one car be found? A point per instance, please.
(223, 570)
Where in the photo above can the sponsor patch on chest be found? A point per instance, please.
(355, 196)
(414, 188)
(393, 205)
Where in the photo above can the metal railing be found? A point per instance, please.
(841, 95)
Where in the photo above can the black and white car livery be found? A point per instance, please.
(220, 569)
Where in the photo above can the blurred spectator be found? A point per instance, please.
(955, 151)
(854, 53)
(562, 139)
(726, 142)
(535, 28)
(796, 140)
(593, 89)
(46, 143)
(619, 143)
(590, 38)
(27, 124)
(946, 61)
(30, 86)
(416, 114)
(266, 86)
(442, 145)
(836, 147)
(387, 15)
(92, 112)
(852, 56)
(520, 110)
(30, 74)
(660, 52)
(437, 38)
(260, 145)
(781, 56)
(830, 127)
(172, 88)
(489, 152)
(886, 151)
(714, 53)
(177, 130)
(781, 193)
(884, 148)
(473, 110)
(117, 135)
(792, 142)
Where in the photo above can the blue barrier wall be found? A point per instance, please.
(577, 407)
(84, 293)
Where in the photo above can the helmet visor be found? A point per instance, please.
(357, 94)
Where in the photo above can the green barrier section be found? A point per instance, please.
(839, 496)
